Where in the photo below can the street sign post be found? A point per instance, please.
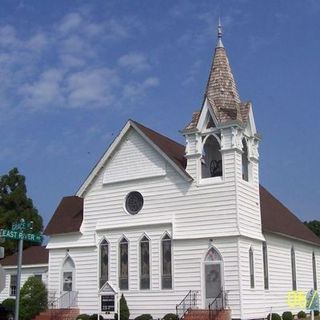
(20, 231)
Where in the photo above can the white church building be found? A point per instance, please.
(158, 221)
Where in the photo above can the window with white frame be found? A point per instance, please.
(293, 269)
(265, 265)
(144, 263)
(123, 264)
(245, 160)
(251, 267)
(314, 271)
(166, 274)
(104, 262)
(13, 285)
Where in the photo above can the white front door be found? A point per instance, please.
(213, 282)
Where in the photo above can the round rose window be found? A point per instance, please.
(134, 202)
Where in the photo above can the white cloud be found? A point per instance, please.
(134, 61)
(134, 91)
(45, 91)
(67, 65)
(91, 88)
(70, 22)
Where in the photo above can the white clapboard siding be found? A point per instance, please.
(26, 272)
(252, 299)
(280, 275)
(188, 271)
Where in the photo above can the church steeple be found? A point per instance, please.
(221, 91)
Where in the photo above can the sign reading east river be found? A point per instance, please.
(19, 235)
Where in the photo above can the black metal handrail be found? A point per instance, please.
(69, 301)
(187, 303)
(219, 303)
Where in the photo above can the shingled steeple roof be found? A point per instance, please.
(221, 91)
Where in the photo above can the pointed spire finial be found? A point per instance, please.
(219, 43)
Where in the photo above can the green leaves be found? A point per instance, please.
(314, 226)
(33, 298)
(14, 205)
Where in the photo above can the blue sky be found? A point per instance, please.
(73, 72)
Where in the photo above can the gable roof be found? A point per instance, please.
(275, 217)
(172, 151)
(31, 256)
(67, 217)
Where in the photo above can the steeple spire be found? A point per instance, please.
(221, 91)
(219, 43)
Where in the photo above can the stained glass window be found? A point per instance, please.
(293, 269)
(213, 255)
(123, 277)
(265, 265)
(104, 256)
(314, 270)
(144, 264)
(251, 265)
(134, 202)
(166, 263)
(245, 161)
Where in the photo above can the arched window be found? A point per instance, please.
(314, 270)
(293, 269)
(245, 160)
(144, 263)
(213, 256)
(211, 161)
(265, 265)
(104, 262)
(68, 273)
(251, 266)
(123, 264)
(166, 262)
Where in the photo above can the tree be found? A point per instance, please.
(14, 205)
(124, 310)
(314, 226)
(33, 298)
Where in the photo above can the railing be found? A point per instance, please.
(219, 303)
(67, 300)
(187, 303)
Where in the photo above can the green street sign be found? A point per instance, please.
(19, 235)
(22, 225)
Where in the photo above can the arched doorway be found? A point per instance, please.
(213, 274)
(68, 293)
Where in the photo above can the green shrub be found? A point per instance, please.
(301, 315)
(95, 317)
(33, 298)
(83, 317)
(287, 315)
(124, 310)
(9, 304)
(170, 316)
(316, 313)
(145, 316)
(275, 316)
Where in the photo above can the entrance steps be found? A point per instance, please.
(58, 314)
(205, 314)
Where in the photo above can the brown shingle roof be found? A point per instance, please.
(276, 218)
(67, 217)
(221, 90)
(30, 256)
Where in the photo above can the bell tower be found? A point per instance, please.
(222, 141)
